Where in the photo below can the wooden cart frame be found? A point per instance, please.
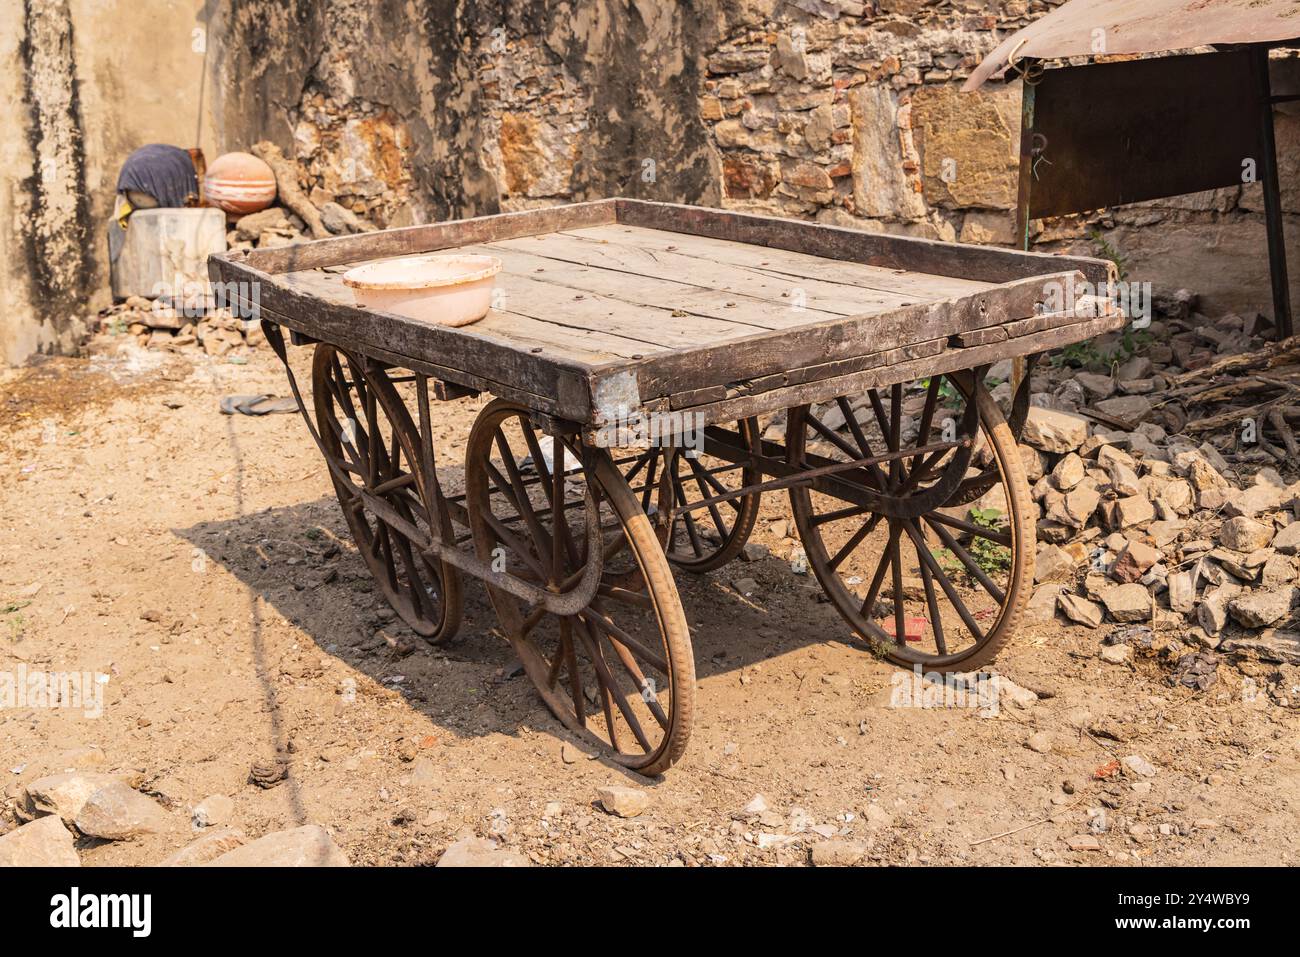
(576, 524)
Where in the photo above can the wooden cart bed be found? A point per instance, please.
(623, 306)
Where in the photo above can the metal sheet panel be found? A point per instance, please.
(1080, 27)
(1116, 133)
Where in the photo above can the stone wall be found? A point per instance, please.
(409, 111)
(850, 113)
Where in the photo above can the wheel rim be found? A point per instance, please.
(665, 479)
(618, 672)
(940, 585)
(372, 446)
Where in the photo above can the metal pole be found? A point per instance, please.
(1027, 96)
(1272, 199)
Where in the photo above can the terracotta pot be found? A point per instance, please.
(239, 183)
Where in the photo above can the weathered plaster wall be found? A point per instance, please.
(82, 83)
(19, 333)
(411, 111)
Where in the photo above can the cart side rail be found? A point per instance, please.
(694, 376)
(824, 383)
(549, 383)
(413, 240)
(957, 260)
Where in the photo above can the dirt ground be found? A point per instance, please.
(201, 562)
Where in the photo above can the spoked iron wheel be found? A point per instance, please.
(920, 574)
(375, 454)
(614, 663)
(665, 479)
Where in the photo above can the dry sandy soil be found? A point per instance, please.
(191, 557)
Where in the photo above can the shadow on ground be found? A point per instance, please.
(300, 560)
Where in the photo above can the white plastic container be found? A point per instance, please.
(164, 252)
(449, 290)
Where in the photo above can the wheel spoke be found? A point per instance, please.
(992, 534)
(649, 694)
(878, 579)
(597, 617)
(927, 414)
(932, 602)
(691, 531)
(374, 447)
(968, 560)
(918, 540)
(624, 595)
(575, 678)
(514, 544)
(655, 455)
(896, 471)
(559, 521)
(851, 511)
(415, 584)
(394, 484)
(900, 609)
(721, 526)
(867, 528)
(522, 503)
(882, 420)
(984, 480)
(603, 675)
(641, 462)
(830, 435)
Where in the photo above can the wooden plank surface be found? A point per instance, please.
(583, 336)
(602, 294)
(846, 286)
(772, 353)
(736, 313)
(620, 301)
(740, 274)
(983, 263)
(413, 240)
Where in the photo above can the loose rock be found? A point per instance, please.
(213, 810)
(63, 794)
(837, 853)
(214, 842)
(623, 801)
(44, 842)
(1261, 608)
(1054, 431)
(116, 812)
(1081, 610)
(1127, 603)
(306, 846)
(1245, 535)
(480, 852)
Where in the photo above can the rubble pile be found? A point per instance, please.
(1165, 480)
(198, 320)
(1164, 472)
(194, 326)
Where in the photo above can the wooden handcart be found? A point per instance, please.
(656, 368)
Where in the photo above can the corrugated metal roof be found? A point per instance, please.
(1143, 26)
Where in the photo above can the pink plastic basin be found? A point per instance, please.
(452, 290)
